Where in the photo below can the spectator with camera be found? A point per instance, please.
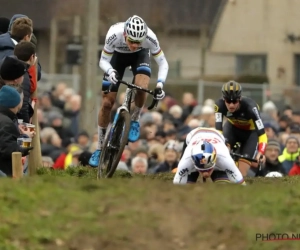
(272, 164)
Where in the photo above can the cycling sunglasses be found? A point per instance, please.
(231, 101)
(133, 41)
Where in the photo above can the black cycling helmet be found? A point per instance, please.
(232, 90)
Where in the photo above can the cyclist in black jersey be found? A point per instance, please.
(243, 125)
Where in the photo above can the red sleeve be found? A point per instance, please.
(295, 170)
(60, 162)
(33, 83)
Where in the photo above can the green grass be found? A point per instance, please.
(71, 210)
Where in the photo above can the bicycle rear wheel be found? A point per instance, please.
(114, 145)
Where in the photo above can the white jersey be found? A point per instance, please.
(224, 162)
(115, 41)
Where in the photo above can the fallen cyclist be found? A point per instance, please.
(205, 153)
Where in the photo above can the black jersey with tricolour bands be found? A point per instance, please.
(247, 117)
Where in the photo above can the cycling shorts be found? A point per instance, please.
(139, 61)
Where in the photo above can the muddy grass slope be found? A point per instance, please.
(61, 211)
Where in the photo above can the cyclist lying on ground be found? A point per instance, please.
(127, 44)
(243, 125)
(205, 152)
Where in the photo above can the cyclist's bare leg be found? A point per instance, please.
(104, 115)
(244, 167)
(140, 97)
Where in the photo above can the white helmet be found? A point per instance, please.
(135, 28)
(274, 174)
(204, 156)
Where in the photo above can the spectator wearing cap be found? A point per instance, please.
(10, 104)
(290, 153)
(171, 155)
(272, 163)
(25, 51)
(270, 130)
(270, 108)
(4, 24)
(284, 122)
(12, 71)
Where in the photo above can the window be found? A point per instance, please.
(251, 64)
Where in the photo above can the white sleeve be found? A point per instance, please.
(159, 57)
(108, 50)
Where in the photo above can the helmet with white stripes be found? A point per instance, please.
(135, 28)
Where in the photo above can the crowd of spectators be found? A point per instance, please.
(163, 131)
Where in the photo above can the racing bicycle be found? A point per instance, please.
(116, 137)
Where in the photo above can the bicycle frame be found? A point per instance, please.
(127, 102)
(125, 106)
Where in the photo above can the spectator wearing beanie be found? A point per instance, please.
(290, 153)
(171, 156)
(272, 164)
(270, 130)
(10, 104)
(25, 51)
(12, 71)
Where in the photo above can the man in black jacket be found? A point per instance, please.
(272, 164)
(25, 51)
(10, 103)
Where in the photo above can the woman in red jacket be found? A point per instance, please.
(295, 170)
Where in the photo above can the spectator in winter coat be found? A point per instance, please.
(272, 164)
(290, 153)
(25, 51)
(10, 103)
(171, 157)
(295, 170)
(19, 29)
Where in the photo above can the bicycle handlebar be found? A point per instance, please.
(133, 86)
(236, 157)
(239, 156)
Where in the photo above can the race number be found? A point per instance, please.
(218, 117)
(259, 124)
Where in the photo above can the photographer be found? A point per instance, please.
(272, 164)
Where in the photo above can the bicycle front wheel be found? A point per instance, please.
(114, 145)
